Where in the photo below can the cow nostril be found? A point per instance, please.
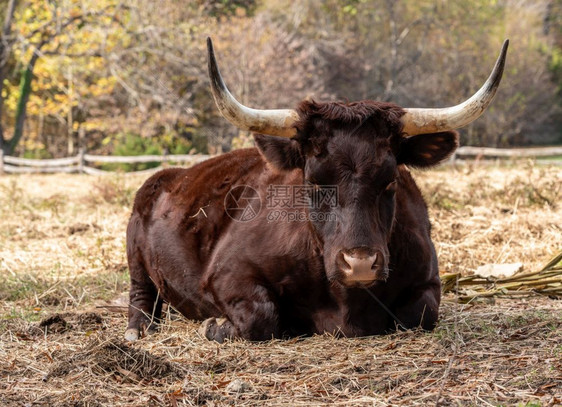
(346, 260)
(374, 265)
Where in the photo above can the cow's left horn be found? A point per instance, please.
(423, 121)
(273, 122)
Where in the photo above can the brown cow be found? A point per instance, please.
(321, 228)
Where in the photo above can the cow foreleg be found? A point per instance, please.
(249, 310)
(145, 308)
(421, 310)
(145, 303)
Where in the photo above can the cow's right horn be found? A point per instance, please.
(276, 122)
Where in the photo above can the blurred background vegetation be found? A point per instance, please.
(130, 77)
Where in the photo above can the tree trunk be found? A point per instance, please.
(25, 90)
(389, 88)
(69, 121)
(5, 51)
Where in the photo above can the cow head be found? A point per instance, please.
(355, 150)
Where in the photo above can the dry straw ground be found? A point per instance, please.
(64, 281)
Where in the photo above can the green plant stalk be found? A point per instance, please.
(25, 91)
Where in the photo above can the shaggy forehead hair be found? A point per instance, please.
(317, 115)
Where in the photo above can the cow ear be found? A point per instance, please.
(283, 153)
(427, 150)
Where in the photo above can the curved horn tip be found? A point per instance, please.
(505, 44)
(497, 72)
(503, 52)
(211, 59)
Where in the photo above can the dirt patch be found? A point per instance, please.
(63, 322)
(114, 358)
(79, 228)
(54, 324)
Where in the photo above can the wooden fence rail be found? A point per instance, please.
(83, 163)
(489, 152)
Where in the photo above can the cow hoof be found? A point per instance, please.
(216, 329)
(145, 329)
(131, 334)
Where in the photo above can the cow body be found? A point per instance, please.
(365, 269)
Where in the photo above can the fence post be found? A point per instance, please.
(81, 153)
(453, 160)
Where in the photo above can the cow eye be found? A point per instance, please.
(391, 187)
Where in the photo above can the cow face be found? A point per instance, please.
(353, 150)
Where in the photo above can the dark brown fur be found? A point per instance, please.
(274, 278)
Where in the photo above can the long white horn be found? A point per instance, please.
(275, 122)
(423, 121)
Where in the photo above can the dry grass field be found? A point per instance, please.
(63, 292)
